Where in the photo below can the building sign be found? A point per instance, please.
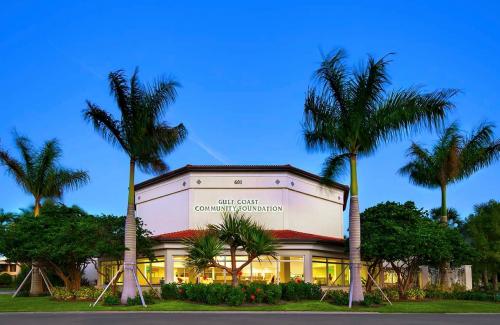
(242, 205)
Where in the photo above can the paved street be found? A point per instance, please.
(243, 318)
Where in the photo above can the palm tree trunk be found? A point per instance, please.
(36, 287)
(444, 267)
(129, 288)
(485, 278)
(234, 273)
(355, 236)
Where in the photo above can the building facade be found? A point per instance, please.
(304, 214)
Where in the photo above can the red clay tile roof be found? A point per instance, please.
(285, 235)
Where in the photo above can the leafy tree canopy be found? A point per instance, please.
(404, 236)
(483, 229)
(66, 239)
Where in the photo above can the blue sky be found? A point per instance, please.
(244, 70)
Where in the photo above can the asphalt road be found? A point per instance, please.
(243, 318)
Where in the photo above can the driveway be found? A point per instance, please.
(236, 318)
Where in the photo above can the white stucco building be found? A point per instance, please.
(305, 215)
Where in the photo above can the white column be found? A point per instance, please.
(169, 267)
(424, 276)
(468, 277)
(308, 267)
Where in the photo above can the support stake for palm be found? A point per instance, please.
(350, 114)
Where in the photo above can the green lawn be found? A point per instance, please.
(8, 304)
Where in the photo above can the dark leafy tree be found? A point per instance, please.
(403, 236)
(483, 229)
(143, 136)
(67, 239)
(350, 114)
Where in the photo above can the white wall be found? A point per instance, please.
(304, 205)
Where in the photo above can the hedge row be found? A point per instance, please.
(215, 294)
(463, 295)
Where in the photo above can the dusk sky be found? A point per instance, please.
(244, 70)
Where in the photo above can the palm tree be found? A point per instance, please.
(40, 174)
(350, 114)
(453, 217)
(143, 137)
(453, 158)
(237, 232)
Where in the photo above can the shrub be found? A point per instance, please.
(415, 294)
(111, 300)
(338, 297)
(182, 291)
(196, 292)
(169, 291)
(371, 299)
(6, 279)
(87, 293)
(215, 294)
(255, 293)
(61, 293)
(457, 287)
(235, 296)
(272, 293)
(295, 291)
(392, 294)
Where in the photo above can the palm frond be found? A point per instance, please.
(319, 121)
(479, 150)
(27, 151)
(159, 96)
(367, 85)
(334, 166)
(63, 179)
(45, 162)
(202, 251)
(408, 110)
(106, 125)
(120, 90)
(15, 168)
(332, 77)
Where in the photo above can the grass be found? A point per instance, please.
(46, 304)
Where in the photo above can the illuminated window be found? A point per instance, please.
(154, 270)
(263, 270)
(107, 271)
(291, 268)
(330, 271)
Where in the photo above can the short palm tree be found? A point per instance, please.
(453, 158)
(142, 135)
(39, 173)
(350, 114)
(236, 232)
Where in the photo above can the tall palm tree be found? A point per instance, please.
(39, 173)
(350, 114)
(453, 158)
(142, 135)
